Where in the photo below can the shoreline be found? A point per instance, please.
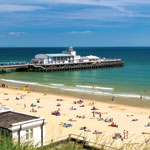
(78, 98)
(135, 102)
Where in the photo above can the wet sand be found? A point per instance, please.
(103, 98)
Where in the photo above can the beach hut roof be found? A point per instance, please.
(11, 117)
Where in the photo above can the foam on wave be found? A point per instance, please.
(95, 87)
(80, 88)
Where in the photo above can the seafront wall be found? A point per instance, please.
(62, 67)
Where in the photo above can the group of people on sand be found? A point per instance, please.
(34, 105)
(82, 117)
(84, 128)
(113, 98)
(148, 124)
(4, 85)
(73, 108)
(125, 134)
(57, 112)
(113, 124)
(94, 111)
(21, 97)
(108, 120)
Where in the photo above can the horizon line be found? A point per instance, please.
(73, 46)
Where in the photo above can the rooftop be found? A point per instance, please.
(5, 109)
(58, 55)
(10, 117)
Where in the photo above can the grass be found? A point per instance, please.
(9, 144)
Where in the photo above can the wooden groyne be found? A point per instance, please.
(61, 67)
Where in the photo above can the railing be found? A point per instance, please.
(81, 140)
(12, 63)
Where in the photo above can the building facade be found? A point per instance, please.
(68, 56)
(22, 127)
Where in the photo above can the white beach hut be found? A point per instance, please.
(22, 127)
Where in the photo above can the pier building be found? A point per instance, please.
(67, 60)
(68, 56)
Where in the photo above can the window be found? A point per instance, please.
(5, 133)
(29, 134)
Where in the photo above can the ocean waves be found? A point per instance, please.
(23, 82)
(94, 90)
(95, 87)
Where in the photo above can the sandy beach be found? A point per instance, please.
(102, 120)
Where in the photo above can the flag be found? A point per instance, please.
(25, 87)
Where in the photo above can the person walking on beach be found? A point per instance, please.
(83, 97)
(93, 114)
(141, 98)
(127, 134)
(100, 115)
(124, 134)
(94, 86)
(24, 105)
(113, 99)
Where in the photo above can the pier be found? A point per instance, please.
(67, 60)
(29, 67)
(13, 68)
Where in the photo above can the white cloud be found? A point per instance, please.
(16, 33)
(15, 8)
(80, 32)
(98, 2)
(115, 4)
(69, 13)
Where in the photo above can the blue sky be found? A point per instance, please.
(34, 23)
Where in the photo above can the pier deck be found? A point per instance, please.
(61, 67)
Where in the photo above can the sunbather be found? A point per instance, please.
(83, 117)
(83, 128)
(97, 132)
(134, 119)
(56, 113)
(17, 98)
(33, 110)
(72, 108)
(58, 104)
(117, 135)
(59, 99)
(94, 108)
(32, 105)
(129, 115)
(113, 125)
(148, 124)
(72, 120)
(38, 100)
(67, 125)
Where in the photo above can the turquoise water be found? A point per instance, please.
(132, 80)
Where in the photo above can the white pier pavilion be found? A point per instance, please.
(68, 56)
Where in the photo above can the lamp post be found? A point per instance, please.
(84, 129)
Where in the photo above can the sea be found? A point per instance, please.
(131, 81)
